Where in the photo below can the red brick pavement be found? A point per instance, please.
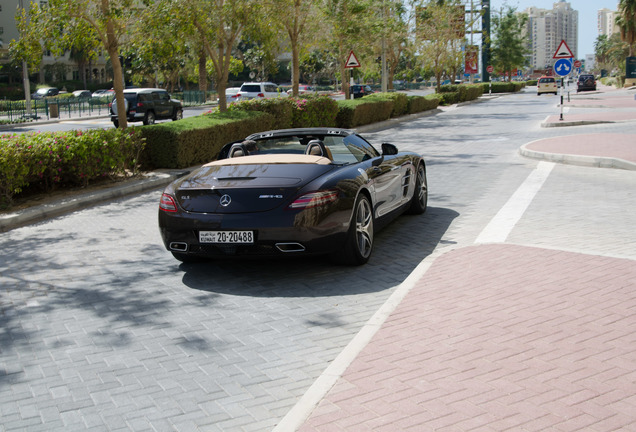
(498, 337)
(622, 146)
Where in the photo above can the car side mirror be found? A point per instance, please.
(389, 149)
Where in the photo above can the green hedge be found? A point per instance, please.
(51, 160)
(66, 159)
(419, 104)
(456, 93)
(359, 112)
(504, 87)
(400, 101)
(196, 140)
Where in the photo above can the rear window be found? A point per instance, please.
(253, 88)
(546, 80)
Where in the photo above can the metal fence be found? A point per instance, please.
(71, 107)
(16, 111)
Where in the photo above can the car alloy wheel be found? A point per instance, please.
(420, 194)
(364, 227)
(150, 118)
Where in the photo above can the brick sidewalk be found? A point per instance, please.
(498, 337)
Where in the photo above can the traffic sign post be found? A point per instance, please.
(352, 62)
(562, 67)
(490, 69)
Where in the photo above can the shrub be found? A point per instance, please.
(280, 108)
(418, 104)
(504, 87)
(196, 140)
(314, 111)
(400, 101)
(362, 111)
(50, 160)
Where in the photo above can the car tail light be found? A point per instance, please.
(314, 199)
(261, 95)
(167, 204)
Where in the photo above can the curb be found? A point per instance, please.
(579, 160)
(39, 213)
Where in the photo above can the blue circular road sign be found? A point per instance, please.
(563, 67)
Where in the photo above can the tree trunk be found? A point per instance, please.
(203, 75)
(118, 75)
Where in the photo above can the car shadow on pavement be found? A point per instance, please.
(399, 248)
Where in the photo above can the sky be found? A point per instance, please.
(588, 9)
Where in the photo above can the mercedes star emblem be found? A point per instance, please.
(225, 200)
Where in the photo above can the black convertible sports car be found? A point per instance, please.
(292, 192)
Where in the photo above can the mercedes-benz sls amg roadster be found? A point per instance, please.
(292, 192)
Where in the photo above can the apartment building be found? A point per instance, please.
(57, 68)
(546, 28)
(607, 22)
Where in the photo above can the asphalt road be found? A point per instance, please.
(101, 329)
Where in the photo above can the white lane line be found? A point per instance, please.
(296, 417)
(505, 220)
(299, 413)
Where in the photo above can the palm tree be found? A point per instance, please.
(626, 21)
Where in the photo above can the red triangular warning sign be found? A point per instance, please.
(563, 51)
(352, 61)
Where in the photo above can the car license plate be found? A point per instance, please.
(233, 237)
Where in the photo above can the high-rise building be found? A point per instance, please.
(546, 28)
(607, 22)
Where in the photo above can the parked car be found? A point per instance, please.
(83, 94)
(547, 84)
(360, 90)
(103, 93)
(586, 82)
(266, 90)
(292, 192)
(232, 94)
(147, 105)
(302, 88)
(45, 92)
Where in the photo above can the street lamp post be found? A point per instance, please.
(25, 79)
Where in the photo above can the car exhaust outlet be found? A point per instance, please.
(179, 246)
(290, 247)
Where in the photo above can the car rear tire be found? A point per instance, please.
(149, 119)
(116, 123)
(359, 243)
(419, 202)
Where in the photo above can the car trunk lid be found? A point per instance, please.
(244, 188)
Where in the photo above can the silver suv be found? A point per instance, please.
(147, 105)
(252, 90)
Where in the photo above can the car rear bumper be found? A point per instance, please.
(275, 234)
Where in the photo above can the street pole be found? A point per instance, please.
(485, 39)
(562, 81)
(25, 79)
(384, 77)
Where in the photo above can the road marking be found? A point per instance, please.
(505, 220)
(497, 230)
(300, 412)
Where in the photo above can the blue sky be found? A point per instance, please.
(588, 31)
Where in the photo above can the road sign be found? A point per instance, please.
(352, 61)
(563, 67)
(577, 63)
(489, 69)
(563, 51)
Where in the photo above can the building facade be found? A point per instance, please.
(545, 30)
(52, 68)
(607, 23)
